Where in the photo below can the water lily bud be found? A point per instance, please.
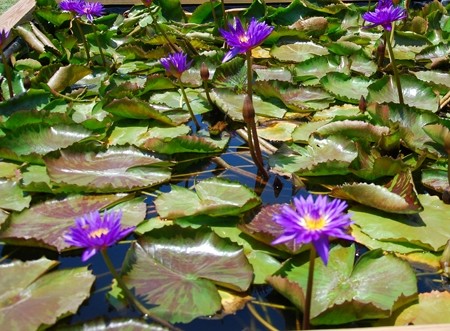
(204, 72)
(362, 104)
(381, 50)
(445, 259)
(248, 111)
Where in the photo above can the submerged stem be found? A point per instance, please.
(100, 49)
(130, 297)
(309, 288)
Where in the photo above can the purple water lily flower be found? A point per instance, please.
(385, 13)
(176, 63)
(4, 34)
(90, 10)
(241, 40)
(94, 232)
(314, 221)
(73, 6)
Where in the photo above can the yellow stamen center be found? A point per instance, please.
(314, 223)
(243, 38)
(98, 233)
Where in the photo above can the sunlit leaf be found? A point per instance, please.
(425, 229)
(12, 197)
(43, 139)
(213, 196)
(298, 52)
(114, 170)
(344, 292)
(345, 88)
(175, 272)
(432, 308)
(415, 92)
(331, 156)
(397, 196)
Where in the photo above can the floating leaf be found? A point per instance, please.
(425, 230)
(201, 143)
(297, 52)
(45, 223)
(232, 103)
(344, 292)
(346, 88)
(215, 197)
(398, 196)
(432, 308)
(117, 169)
(43, 299)
(136, 109)
(277, 131)
(416, 93)
(175, 271)
(12, 197)
(318, 66)
(42, 139)
(331, 156)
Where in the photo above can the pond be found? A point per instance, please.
(195, 167)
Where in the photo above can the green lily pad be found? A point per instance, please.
(136, 109)
(12, 197)
(175, 272)
(331, 156)
(317, 67)
(416, 93)
(425, 229)
(42, 297)
(397, 196)
(43, 139)
(298, 52)
(344, 292)
(232, 104)
(432, 308)
(345, 88)
(215, 197)
(277, 131)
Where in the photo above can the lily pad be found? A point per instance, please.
(416, 93)
(215, 197)
(344, 292)
(432, 308)
(346, 88)
(114, 170)
(425, 229)
(44, 224)
(298, 52)
(397, 196)
(175, 272)
(43, 297)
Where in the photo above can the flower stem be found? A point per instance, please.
(394, 68)
(309, 288)
(249, 118)
(7, 73)
(99, 46)
(130, 297)
(83, 38)
(161, 30)
(188, 105)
